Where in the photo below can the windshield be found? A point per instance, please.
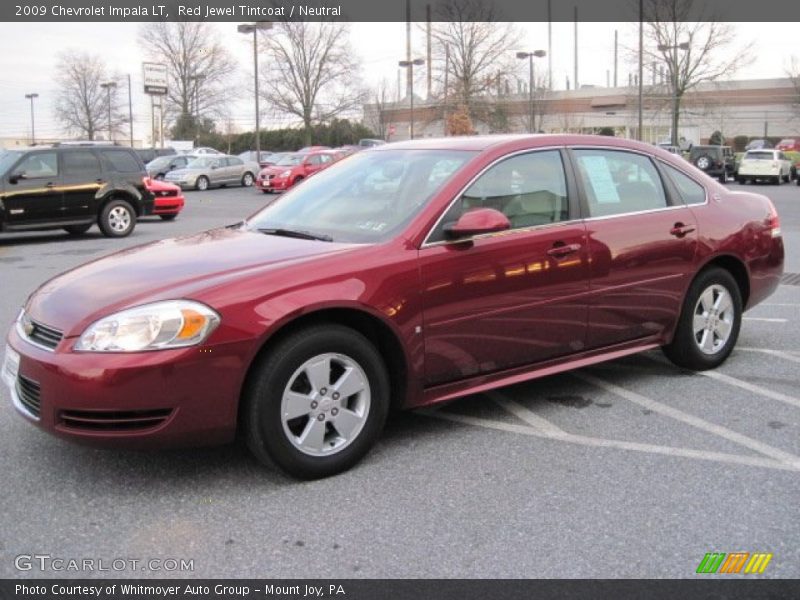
(290, 160)
(760, 155)
(367, 198)
(7, 159)
(201, 163)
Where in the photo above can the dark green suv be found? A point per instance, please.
(72, 188)
(716, 161)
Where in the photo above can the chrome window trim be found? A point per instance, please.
(504, 232)
(428, 244)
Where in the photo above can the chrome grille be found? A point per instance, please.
(29, 394)
(45, 336)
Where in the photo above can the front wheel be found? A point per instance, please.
(117, 219)
(316, 402)
(709, 323)
(201, 185)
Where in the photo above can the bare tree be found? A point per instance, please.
(81, 104)
(311, 72)
(793, 73)
(199, 69)
(473, 52)
(693, 50)
(375, 115)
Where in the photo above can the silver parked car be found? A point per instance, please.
(214, 170)
(162, 165)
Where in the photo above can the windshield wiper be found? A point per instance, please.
(295, 233)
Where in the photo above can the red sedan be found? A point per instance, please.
(409, 275)
(293, 168)
(169, 200)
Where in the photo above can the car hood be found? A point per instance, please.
(173, 268)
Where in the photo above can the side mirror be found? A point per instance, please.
(15, 177)
(476, 222)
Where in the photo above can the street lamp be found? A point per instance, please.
(247, 29)
(196, 79)
(33, 132)
(410, 64)
(531, 80)
(675, 108)
(108, 86)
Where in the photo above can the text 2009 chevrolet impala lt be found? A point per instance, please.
(403, 276)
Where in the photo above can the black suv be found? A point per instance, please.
(716, 161)
(72, 188)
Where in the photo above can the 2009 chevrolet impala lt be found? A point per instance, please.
(403, 276)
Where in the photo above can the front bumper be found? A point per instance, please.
(168, 205)
(274, 184)
(181, 397)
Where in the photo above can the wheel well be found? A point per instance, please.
(367, 325)
(736, 268)
(121, 196)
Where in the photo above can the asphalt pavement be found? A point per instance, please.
(632, 468)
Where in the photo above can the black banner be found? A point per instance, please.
(394, 10)
(736, 588)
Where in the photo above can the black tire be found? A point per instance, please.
(248, 179)
(117, 219)
(168, 217)
(272, 375)
(201, 183)
(684, 349)
(265, 192)
(740, 180)
(777, 180)
(723, 178)
(77, 229)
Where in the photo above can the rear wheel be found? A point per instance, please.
(317, 402)
(247, 179)
(117, 219)
(709, 323)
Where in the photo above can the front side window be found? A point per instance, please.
(617, 182)
(43, 164)
(530, 189)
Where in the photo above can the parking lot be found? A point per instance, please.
(632, 468)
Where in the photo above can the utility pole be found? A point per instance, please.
(409, 72)
(446, 88)
(616, 47)
(130, 108)
(108, 86)
(576, 47)
(549, 44)
(430, 70)
(641, 66)
(31, 97)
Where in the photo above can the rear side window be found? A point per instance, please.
(79, 162)
(121, 161)
(235, 162)
(690, 191)
(617, 182)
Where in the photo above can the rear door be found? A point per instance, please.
(642, 245)
(81, 177)
(35, 196)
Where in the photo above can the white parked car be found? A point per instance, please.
(765, 164)
(204, 150)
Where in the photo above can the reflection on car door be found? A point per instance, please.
(217, 171)
(514, 298)
(36, 197)
(642, 244)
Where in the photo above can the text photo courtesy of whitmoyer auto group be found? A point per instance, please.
(441, 299)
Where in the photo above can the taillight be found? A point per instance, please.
(773, 220)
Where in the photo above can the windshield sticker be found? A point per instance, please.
(600, 179)
(372, 225)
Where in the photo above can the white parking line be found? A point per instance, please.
(750, 387)
(692, 420)
(765, 319)
(552, 432)
(779, 304)
(771, 352)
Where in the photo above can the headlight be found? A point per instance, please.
(157, 326)
(286, 173)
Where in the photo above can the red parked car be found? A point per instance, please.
(789, 145)
(293, 168)
(408, 275)
(169, 200)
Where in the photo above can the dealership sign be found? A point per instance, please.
(155, 78)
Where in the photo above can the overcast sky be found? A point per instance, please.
(28, 56)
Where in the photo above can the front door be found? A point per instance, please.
(513, 298)
(35, 195)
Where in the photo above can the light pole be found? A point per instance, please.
(410, 64)
(196, 79)
(531, 81)
(33, 131)
(108, 86)
(247, 29)
(675, 108)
